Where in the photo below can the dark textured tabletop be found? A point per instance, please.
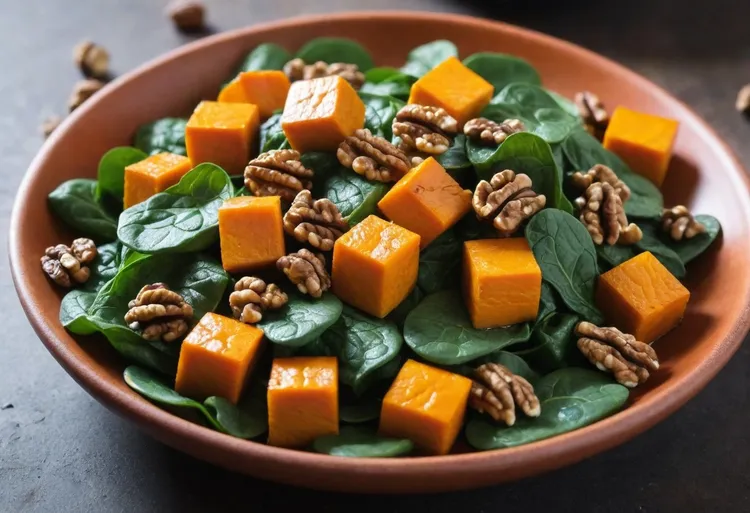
(60, 451)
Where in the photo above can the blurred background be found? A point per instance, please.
(61, 451)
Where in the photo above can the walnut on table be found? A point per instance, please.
(680, 224)
(316, 222)
(159, 313)
(424, 128)
(372, 156)
(307, 271)
(252, 296)
(507, 200)
(92, 59)
(278, 173)
(498, 392)
(66, 265)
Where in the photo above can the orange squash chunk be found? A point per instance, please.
(320, 113)
(251, 233)
(216, 358)
(153, 175)
(502, 282)
(425, 405)
(303, 400)
(222, 133)
(643, 141)
(454, 87)
(642, 297)
(375, 265)
(266, 89)
(427, 201)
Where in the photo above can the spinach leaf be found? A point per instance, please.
(136, 350)
(219, 412)
(387, 82)
(357, 442)
(527, 153)
(689, 249)
(336, 49)
(512, 361)
(549, 301)
(570, 399)
(364, 409)
(272, 136)
(553, 343)
(398, 315)
(438, 263)
(266, 56)
(565, 104)
(440, 331)
(566, 254)
(500, 69)
(166, 134)
(583, 151)
(425, 57)
(455, 158)
(182, 219)
(111, 173)
(379, 113)
(302, 320)
(362, 344)
(75, 202)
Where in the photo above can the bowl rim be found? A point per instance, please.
(573, 446)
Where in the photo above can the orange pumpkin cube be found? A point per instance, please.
(267, 89)
(222, 133)
(641, 297)
(320, 113)
(454, 87)
(375, 265)
(502, 282)
(427, 201)
(425, 405)
(303, 400)
(643, 141)
(153, 175)
(216, 358)
(251, 233)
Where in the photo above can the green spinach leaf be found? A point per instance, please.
(689, 249)
(182, 219)
(398, 315)
(387, 82)
(336, 49)
(500, 69)
(425, 57)
(456, 158)
(583, 151)
(363, 409)
(358, 442)
(512, 361)
(266, 56)
(570, 399)
(302, 320)
(553, 343)
(111, 172)
(75, 202)
(163, 135)
(440, 331)
(566, 254)
(438, 263)
(565, 104)
(379, 113)
(272, 136)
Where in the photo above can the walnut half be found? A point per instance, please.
(507, 200)
(498, 392)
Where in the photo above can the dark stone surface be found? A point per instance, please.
(61, 451)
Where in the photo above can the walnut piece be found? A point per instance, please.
(83, 90)
(603, 215)
(425, 128)
(680, 224)
(318, 222)
(251, 297)
(591, 109)
(373, 157)
(508, 200)
(160, 313)
(604, 174)
(297, 69)
(278, 173)
(66, 265)
(49, 125)
(611, 350)
(498, 391)
(490, 132)
(306, 270)
(187, 15)
(91, 59)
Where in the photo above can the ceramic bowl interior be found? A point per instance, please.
(703, 175)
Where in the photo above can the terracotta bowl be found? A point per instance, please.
(704, 175)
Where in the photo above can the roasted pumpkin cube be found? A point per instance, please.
(217, 357)
(320, 113)
(454, 87)
(251, 233)
(425, 405)
(267, 89)
(502, 282)
(303, 400)
(375, 265)
(222, 133)
(643, 141)
(427, 201)
(153, 175)
(641, 297)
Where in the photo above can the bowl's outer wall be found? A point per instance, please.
(704, 175)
